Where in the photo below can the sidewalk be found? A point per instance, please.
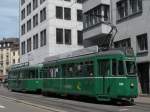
(143, 99)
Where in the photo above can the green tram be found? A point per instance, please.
(105, 75)
(25, 78)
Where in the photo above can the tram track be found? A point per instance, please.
(73, 105)
(69, 106)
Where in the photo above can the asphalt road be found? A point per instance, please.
(9, 105)
(60, 104)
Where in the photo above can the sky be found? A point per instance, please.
(9, 18)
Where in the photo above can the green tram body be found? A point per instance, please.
(104, 75)
(26, 79)
(100, 75)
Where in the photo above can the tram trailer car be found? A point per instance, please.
(25, 79)
(106, 75)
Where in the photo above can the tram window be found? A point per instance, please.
(37, 73)
(104, 67)
(80, 69)
(26, 74)
(114, 67)
(11, 75)
(121, 68)
(15, 75)
(65, 70)
(68, 70)
(32, 74)
(89, 68)
(18, 75)
(131, 67)
(53, 72)
(57, 72)
(21, 75)
(50, 73)
(71, 69)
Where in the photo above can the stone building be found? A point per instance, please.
(131, 17)
(49, 27)
(9, 55)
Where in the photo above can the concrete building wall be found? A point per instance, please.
(9, 55)
(130, 27)
(133, 26)
(96, 13)
(50, 24)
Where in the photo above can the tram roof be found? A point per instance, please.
(90, 51)
(25, 66)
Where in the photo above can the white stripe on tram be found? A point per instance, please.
(76, 78)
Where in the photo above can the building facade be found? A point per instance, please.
(9, 55)
(96, 14)
(131, 18)
(49, 27)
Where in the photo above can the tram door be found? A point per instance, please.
(104, 73)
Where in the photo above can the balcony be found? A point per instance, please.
(96, 31)
(96, 21)
(88, 5)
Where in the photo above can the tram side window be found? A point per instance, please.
(24, 75)
(131, 67)
(104, 67)
(13, 75)
(114, 67)
(50, 75)
(10, 75)
(53, 72)
(21, 75)
(89, 68)
(18, 74)
(36, 73)
(68, 70)
(80, 70)
(121, 68)
(32, 74)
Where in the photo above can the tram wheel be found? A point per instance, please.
(131, 101)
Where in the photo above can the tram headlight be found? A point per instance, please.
(132, 85)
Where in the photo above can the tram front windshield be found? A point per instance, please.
(131, 67)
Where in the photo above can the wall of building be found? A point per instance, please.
(132, 26)
(50, 24)
(9, 55)
(96, 15)
(131, 21)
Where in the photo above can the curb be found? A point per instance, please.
(34, 105)
(142, 103)
(145, 103)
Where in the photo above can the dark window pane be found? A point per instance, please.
(80, 38)
(59, 12)
(67, 13)
(67, 36)
(59, 36)
(79, 15)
